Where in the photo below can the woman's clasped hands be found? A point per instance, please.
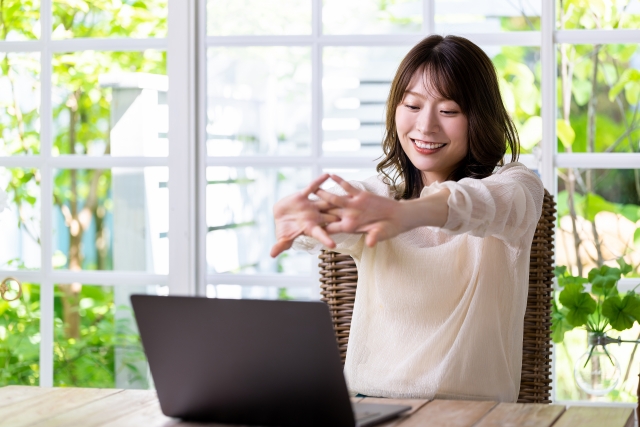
(357, 211)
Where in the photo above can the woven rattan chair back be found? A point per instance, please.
(339, 279)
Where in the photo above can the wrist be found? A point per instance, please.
(431, 210)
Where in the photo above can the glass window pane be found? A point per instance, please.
(598, 114)
(598, 218)
(113, 219)
(471, 16)
(20, 338)
(602, 15)
(19, 104)
(96, 339)
(258, 292)
(240, 219)
(349, 174)
(20, 223)
(371, 16)
(110, 103)
(20, 20)
(104, 19)
(259, 101)
(356, 85)
(252, 17)
(519, 71)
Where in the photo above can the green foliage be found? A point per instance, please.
(622, 312)
(81, 114)
(20, 338)
(19, 19)
(89, 360)
(109, 18)
(614, 92)
(603, 280)
(283, 294)
(519, 81)
(579, 304)
(598, 310)
(596, 14)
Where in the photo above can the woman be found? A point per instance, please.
(441, 237)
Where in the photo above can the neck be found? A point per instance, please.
(429, 178)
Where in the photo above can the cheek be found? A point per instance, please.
(402, 121)
(459, 132)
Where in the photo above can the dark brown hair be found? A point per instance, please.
(455, 69)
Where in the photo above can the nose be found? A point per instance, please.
(427, 121)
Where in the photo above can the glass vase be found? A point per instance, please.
(597, 371)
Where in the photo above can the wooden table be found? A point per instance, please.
(34, 406)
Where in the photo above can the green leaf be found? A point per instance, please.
(559, 323)
(571, 280)
(636, 238)
(581, 91)
(508, 97)
(624, 267)
(622, 312)
(531, 132)
(563, 203)
(630, 75)
(566, 134)
(604, 279)
(560, 270)
(631, 212)
(579, 304)
(594, 204)
(632, 92)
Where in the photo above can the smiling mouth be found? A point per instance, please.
(428, 147)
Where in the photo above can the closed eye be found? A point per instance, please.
(448, 112)
(411, 107)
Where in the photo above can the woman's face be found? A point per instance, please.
(432, 131)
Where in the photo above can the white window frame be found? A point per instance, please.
(181, 75)
(547, 162)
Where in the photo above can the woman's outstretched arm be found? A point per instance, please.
(297, 215)
(505, 205)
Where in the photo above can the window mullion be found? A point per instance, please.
(46, 193)
(548, 94)
(428, 17)
(201, 149)
(181, 68)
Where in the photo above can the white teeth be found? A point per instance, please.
(427, 145)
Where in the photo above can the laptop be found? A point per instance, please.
(252, 362)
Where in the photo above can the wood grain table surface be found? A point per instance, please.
(34, 406)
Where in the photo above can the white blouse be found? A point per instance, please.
(439, 312)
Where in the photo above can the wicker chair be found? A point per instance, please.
(339, 277)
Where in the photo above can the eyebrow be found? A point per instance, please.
(419, 95)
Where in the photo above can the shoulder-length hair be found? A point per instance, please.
(455, 69)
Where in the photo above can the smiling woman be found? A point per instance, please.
(438, 216)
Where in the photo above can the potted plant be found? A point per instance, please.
(599, 310)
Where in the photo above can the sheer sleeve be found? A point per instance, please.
(505, 205)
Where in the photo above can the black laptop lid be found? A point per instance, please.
(244, 361)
